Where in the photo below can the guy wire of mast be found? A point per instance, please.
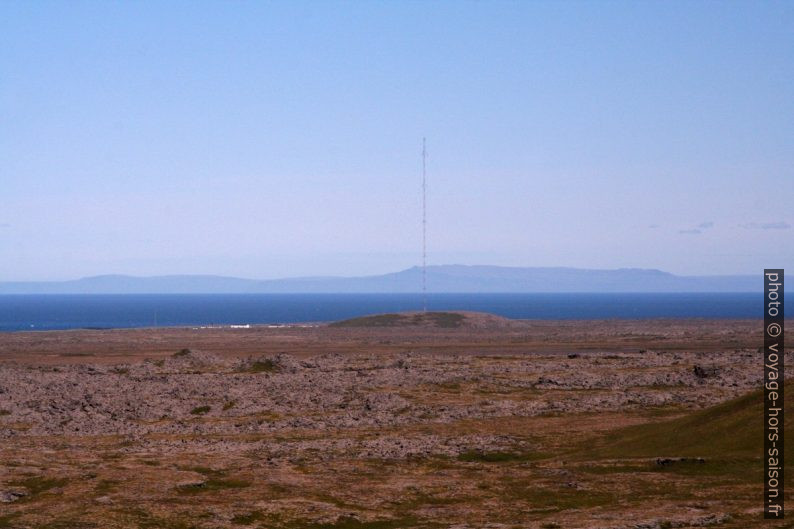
(424, 227)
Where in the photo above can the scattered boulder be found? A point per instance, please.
(191, 484)
(191, 359)
(670, 461)
(705, 371)
(8, 496)
(280, 363)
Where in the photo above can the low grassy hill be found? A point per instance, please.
(731, 429)
(446, 320)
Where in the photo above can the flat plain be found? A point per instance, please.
(442, 420)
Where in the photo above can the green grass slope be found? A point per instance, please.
(731, 429)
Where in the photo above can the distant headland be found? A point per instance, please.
(440, 279)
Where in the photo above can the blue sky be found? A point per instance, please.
(270, 139)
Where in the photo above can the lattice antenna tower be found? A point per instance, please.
(424, 226)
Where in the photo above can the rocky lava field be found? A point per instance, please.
(461, 421)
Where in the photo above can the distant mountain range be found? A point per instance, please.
(444, 278)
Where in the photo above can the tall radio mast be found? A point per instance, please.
(424, 226)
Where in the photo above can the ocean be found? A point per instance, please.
(53, 312)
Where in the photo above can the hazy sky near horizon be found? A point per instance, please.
(271, 139)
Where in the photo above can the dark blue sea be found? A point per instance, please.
(50, 312)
